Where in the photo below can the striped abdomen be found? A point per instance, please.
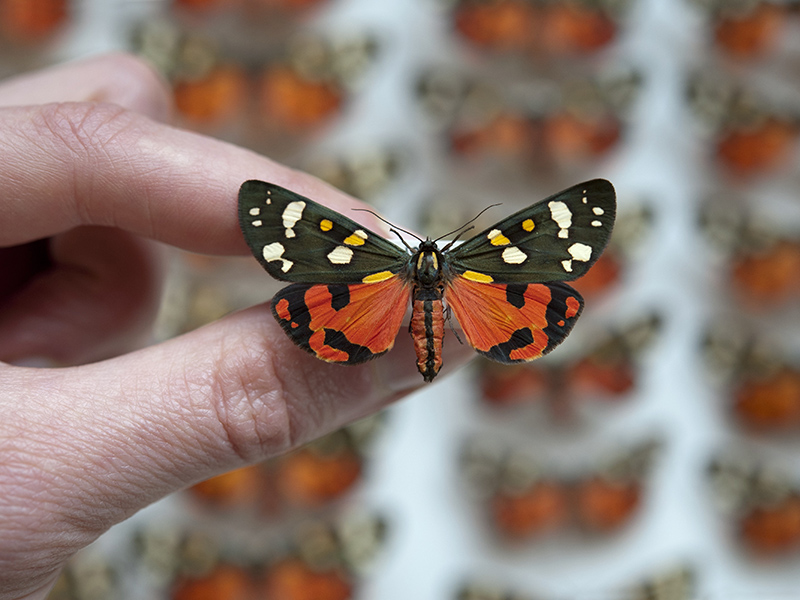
(427, 330)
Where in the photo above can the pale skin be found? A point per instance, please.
(88, 166)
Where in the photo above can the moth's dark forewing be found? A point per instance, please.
(557, 239)
(296, 239)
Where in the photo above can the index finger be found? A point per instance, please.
(84, 163)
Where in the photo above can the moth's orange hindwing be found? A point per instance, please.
(345, 323)
(515, 322)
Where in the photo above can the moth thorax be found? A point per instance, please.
(427, 271)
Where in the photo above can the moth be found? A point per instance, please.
(525, 499)
(351, 287)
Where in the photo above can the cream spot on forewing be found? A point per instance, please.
(257, 223)
(291, 215)
(567, 264)
(597, 224)
(584, 200)
(255, 211)
(562, 216)
(580, 252)
(274, 251)
(598, 211)
(514, 256)
(341, 255)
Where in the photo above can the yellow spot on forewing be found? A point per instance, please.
(479, 277)
(377, 277)
(528, 225)
(357, 239)
(325, 225)
(497, 238)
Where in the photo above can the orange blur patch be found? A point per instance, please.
(752, 150)
(288, 100)
(228, 582)
(506, 25)
(217, 97)
(310, 478)
(604, 376)
(574, 139)
(603, 274)
(282, 308)
(371, 319)
(291, 579)
(542, 508)
(233, 489)
(32, 20)
(753, 34)
(770, 404)
(201, 5)
(488, 319)
(571, 28)
(769, 277)
(573, 306)
(505, 135)
(506, 385)
(773, 530)
(603, 505)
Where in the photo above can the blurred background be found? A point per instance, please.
(654, 456)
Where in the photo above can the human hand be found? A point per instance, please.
(90, 179)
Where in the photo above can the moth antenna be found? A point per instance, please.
(392, 225)
(402, 239)
(459, 229)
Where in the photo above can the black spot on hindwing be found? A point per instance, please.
(340, 295)
(515, 294)
(519, 339)
(356, 352)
